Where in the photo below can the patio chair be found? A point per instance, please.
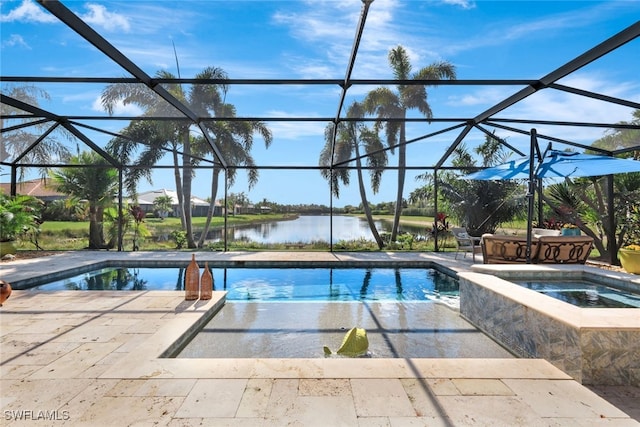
(466, 243)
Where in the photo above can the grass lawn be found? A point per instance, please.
(71, 235)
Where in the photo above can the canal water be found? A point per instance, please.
(309, 229)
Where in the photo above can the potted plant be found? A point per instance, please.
(630, 258)
(569, 229)
(18, 215)
(629, 253)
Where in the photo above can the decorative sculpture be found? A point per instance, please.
(5, 291)
(206, 283)
(192, 280)
(354, 344)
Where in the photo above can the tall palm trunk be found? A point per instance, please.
(96, 227)
(363, 196)
(176, 175)
(186, 188)
(402, 165)
(215, 179)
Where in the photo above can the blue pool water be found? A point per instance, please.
(277, 284)
(585, 293)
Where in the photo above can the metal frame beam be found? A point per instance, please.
(85, 31)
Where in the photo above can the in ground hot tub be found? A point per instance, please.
(593, 345)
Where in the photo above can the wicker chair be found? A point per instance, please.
(466, 243)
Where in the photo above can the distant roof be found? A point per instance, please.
(36, 187)
(148, 197)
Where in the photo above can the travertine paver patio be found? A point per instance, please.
(85, 358)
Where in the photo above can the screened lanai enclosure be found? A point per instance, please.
(332, 105)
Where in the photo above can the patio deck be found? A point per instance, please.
(77, 358)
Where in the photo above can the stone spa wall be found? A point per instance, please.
(595, 346)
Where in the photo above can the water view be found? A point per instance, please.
(311, 228)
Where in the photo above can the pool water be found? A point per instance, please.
(585, 293)
(277, 284)
(395, 329)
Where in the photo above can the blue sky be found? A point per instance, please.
(299, 39)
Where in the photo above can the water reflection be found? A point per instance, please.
(309, 229)
(108, 280)
(584, 293)
(270, 284)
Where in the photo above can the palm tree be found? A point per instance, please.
(161, 137)
(387, 104)
(481, 206)
(235, 139)
(96, 184)
(20, 143)
(162, 205)
(349, 136)
(421, 195)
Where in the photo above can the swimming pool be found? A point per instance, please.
(293, 312)
(584, 293)
(274, 284)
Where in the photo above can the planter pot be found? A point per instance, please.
(630, 260)
(570, 231)
(7, 248)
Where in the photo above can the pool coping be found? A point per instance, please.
(498, 279)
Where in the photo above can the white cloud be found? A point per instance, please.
(99, 16)
(486, 96)
(28, 11)
(501, 33)
(465, 4)
(15, 40)
(329, 28)
(550, 104)
(554, 105)
(119, 108)
(295, 130)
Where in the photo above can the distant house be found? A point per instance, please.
(43, 189)
(265, 209)
(199, 207)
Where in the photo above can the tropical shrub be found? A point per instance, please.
(18, 216)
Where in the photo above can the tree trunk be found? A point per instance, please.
(186, 188)
(96, 236)
(176, 174)
(363, 196)
(402, 164)
(215, 178)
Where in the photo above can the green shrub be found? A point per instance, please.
(179, 237)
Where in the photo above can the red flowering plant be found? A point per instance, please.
(138, 215)
(440, 225)
(550, 224)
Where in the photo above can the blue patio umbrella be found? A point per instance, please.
(555, 164)
(513, 169)
(558, 164)
(562, 164)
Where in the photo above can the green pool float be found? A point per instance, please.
(354, 344)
